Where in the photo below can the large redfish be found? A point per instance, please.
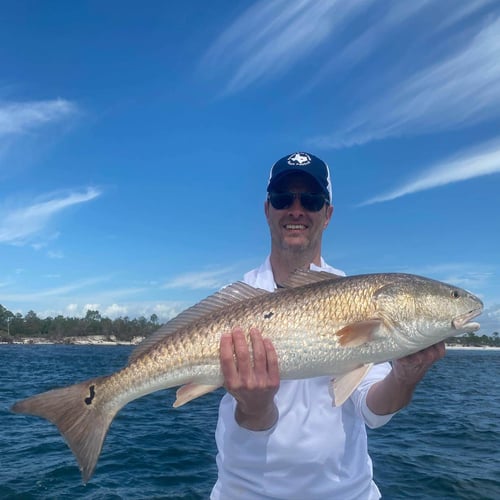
(320, 324)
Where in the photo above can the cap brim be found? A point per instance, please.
(286, 173)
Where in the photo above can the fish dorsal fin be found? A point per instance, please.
(302, 277)
(229, 295)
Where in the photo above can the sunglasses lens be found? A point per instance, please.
(279, 201)
(310, 201)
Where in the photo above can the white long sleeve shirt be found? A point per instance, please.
(315, 451)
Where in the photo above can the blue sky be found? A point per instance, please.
(136, 140)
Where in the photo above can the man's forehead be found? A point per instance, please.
(297, 180)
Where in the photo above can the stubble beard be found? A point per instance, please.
(299, 255)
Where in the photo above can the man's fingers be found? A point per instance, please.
(248, 367)
(272, 362)
(242, 354)
(228, 366)
(259, 353)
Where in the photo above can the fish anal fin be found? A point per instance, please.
(343, 386)
(191, 391)
(356, 334)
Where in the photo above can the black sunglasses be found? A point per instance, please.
(313, 202)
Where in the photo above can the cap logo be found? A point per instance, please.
(299, 159)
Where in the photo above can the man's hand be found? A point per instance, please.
(252, 380)
(411, 369)
(396, 390)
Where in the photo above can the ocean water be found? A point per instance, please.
(446, 445)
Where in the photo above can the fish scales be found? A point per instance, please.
(296, 318)
(319, 324)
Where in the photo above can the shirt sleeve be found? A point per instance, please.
(377, 373)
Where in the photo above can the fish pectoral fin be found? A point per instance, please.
(356, 334)
(342, 387)
(192, 391)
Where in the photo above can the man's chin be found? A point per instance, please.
(295, 244)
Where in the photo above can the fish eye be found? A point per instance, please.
(455, 294)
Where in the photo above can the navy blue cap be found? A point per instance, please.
(302, 162)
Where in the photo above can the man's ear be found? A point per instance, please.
(329, 214)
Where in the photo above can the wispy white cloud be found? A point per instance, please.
(357, 48)
(211, 279)
(476, 162)
(115, 311)
(75, 298)
(272, 36)
(19, 225)
(462, 10)
(59, 291)
(460, 90)
(85, 294)
(20, 117)
(164, 311)
(453, 86)
(91, 307)
(490, 319)
(473, 276)
(55, 254)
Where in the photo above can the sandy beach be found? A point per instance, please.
(89, 340)
(452, 347)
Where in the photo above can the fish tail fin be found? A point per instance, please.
(81, 416)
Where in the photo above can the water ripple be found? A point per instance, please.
(445, 445)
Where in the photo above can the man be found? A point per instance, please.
(285, 440)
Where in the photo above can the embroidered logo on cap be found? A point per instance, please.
(299, 159)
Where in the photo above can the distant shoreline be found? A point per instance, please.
(88, 340)
(453, 347)
(113, 341)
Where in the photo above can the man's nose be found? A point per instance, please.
(296, 205)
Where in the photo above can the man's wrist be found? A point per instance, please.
(256, 421)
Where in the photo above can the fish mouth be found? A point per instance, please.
(463, 322)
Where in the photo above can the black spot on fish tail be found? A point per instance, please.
(88, 401)
(269, 315)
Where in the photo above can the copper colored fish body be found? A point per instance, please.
(320, 324)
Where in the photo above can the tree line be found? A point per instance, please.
(59, 327)
(472, 340)
(125, 329)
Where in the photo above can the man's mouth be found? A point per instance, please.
(294, 227)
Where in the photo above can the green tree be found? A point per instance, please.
(32, 324)
(92, 323)
(5, 319)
